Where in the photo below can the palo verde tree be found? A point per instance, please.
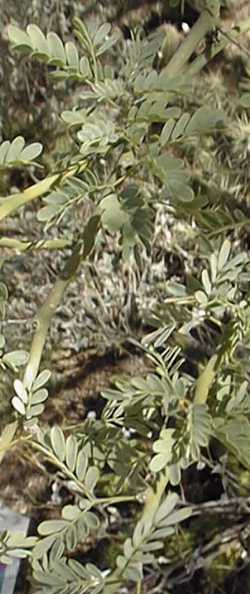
(126, 139)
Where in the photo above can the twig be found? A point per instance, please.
(15, 201)
(202, 60)
(239, 506)
(203, 25)
(45, 315)
(200, 557)
(42, 244)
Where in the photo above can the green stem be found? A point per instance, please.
(154, 495)
(115, 500)
(228, 227)
(11, 203)
(22, 246)
(202, 60)
(94, 62)
(205, 381)
(44, 318)
(152, 502)
(14, 201)
(203, 25)
(181, 300)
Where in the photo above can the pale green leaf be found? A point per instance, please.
(224, 254)
(15, 358)
(167, 131)
(245, 100)
(6, 437)
(85, 67)
(91, 478)
(18, 37)
(56, 48)
(81, 465)
(35, 410)
(21, 391)
(15, 149)
(38, 39)
(58, 442)
(48, 212)
(70, 512)
(180, 126)
(52, 527)
(101, 33)
(41, 379)
(203, 121)
(4, 147)
(42, 547)
(72, 55)
(31, 152)
(166, 508)
(71, 452)
(206, 282)
(18, 405)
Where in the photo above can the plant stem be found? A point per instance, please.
(228, 227)
(202, 60)
(205, 381)
(15, 201)
(44, 318)
(94, 63)
(154, 495)
(203, 25)
(42, 244)
(114, 500)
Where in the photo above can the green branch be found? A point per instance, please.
(44, 318)
(231, 36)
(15, 201)
(42, 244)
(203, 25)
(151, 505)
(154, 495)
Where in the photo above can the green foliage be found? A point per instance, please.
(201, 122)
(57, 574)
(6, 438)
(245, 100)
(74, 528)
(147, 538)
(16, 153)
(133, 138)
(50, 49)
(29, 403)
(14, 546)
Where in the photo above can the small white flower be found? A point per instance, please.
(126, 432)
(105, 572)
(163, 560)
(55, 497)
(185, 28)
